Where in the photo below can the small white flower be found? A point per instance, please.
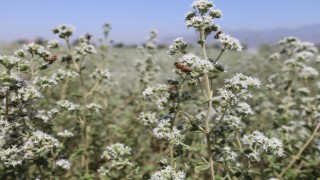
(178, 46)
(85, 49)
(94, 107)
(199, 21)
(244, 108)
(148, 91)
(63, 163)
(162, 131)
(101, 74)
(202, 5)
(65, 134)
(67, 105)
(229, 42)
(168, 173)
(64, 31)
(115, 151)
(53, 44)
(147, 118)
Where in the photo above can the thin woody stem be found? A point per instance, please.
(208, 95)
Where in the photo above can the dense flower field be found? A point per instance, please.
(87, 110)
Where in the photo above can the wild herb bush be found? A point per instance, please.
(86, 110)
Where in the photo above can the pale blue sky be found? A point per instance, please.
(132, 19)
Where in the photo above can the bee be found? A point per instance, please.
(217, 36)
(88, 36)
(182, 67)
(178, 65)
(172, 88)
(51, 59)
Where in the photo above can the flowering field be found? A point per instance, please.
(87, 110)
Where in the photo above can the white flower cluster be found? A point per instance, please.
(7, 127)
(308, 72)
(168, 173)
(236, 89)
(37, 143)
(103, 171)
(46, 115)
(217, 13)
(240, 81)
(289, 41)
(300, 53)
(230, 122)
(7, 80)
(25, 94)
(304, 90)
(84, 49)
(201, 18)
(64, 164)
(101, 74)
(65, 134)
(94, 107)
(61, 74)
(202, 5)
(33, 49)
(115, 153)
(66, 105)
(147, 118)
(293, 45)
(199, 21)
(307, 46)
(154, 89)
(152, 40)
(64, 31)
(260, 144)
(228, 154)
(160, 93)
(163, 161)
(229, 42)
(11, 61)
(53, 44)
(44, 82)
(243, 108)
(274, 56)
(195, 64)
(304, 56)
(11, 156)
(177, 46)
(163, 131)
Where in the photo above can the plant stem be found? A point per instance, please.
(208, 95)
(220, 120)
(220, 54)
(297, 156)
(68, 43)
(41, 173)
(85, 138)
(171, 156)
(53, 165)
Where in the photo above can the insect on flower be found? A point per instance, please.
(217, 36)
(172, 88)
(51, 59)
(182, 67)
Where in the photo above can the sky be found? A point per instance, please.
(131, 20)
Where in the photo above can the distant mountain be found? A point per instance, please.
(255, 38)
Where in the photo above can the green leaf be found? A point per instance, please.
(201, 167)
